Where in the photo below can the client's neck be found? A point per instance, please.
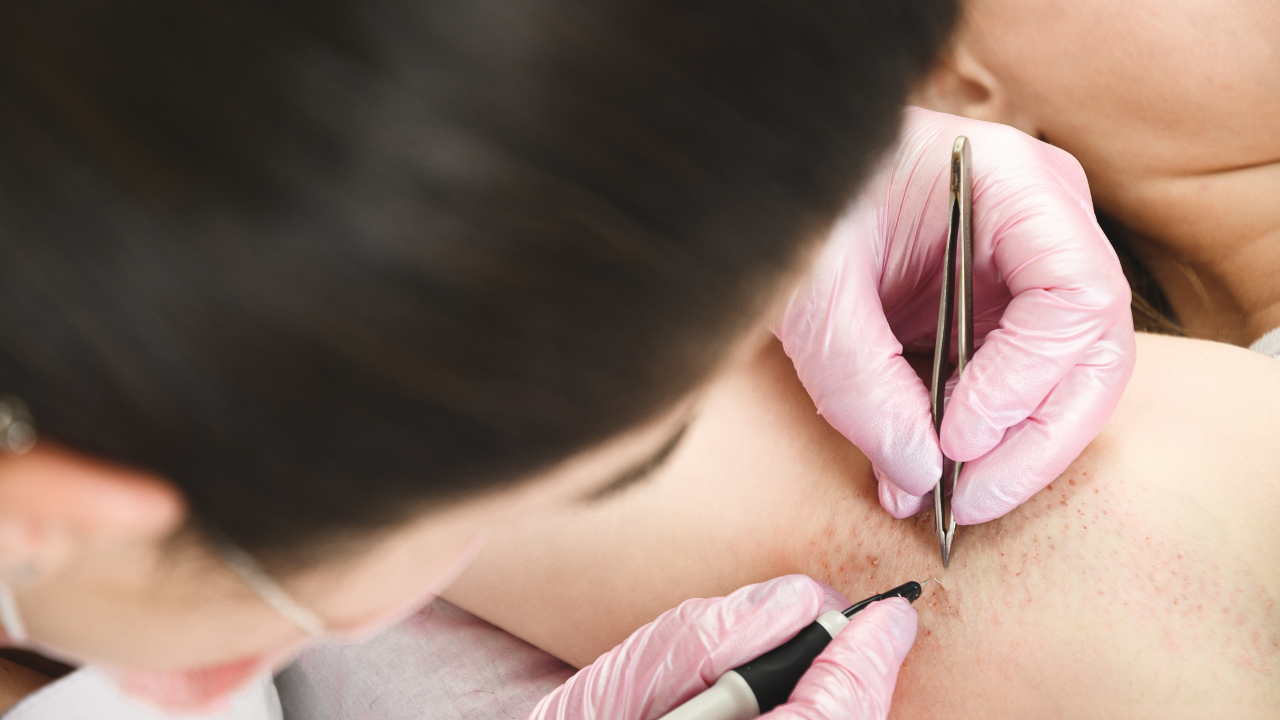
(1214, 250)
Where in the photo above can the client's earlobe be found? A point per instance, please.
(954, 87)
(960, 84)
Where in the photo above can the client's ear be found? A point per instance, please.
(961, 84)
(54, 502)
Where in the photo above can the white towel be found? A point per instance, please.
(1268, 344)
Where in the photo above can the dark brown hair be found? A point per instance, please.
(322, 262)
(1151, 310)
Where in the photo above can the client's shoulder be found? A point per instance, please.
(1209, 397)
(1178, 356)
(1200, 423)
(1207, 387)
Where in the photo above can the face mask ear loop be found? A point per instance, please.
(11, 617)
(243, 564)
(17, 436)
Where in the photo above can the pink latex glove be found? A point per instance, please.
(687, 649)
(1051, 308)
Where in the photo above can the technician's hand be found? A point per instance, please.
(687, 649)
(1051, 308)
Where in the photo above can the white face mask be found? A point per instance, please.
(243, 564)
(200, 689)
(207, 687)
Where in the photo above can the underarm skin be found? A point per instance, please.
(1141, 583)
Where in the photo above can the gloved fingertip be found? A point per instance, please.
(982, 499)
(967, 434)
(799, 592)
(899, 504)
(971, 514)
(914, 470)
(832, 599)
(899, 619)
(886, 629)
(855, 676)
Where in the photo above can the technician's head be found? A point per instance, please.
(344, 282)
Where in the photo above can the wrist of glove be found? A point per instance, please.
(685, 651)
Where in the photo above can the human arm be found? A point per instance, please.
(1102, 567)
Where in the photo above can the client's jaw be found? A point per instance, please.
(1192, 185)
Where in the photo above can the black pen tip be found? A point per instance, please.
(911, 591)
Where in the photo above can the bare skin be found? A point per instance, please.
(1171, 107)
(1142, 583)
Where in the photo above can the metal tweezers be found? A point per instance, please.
(957, 280)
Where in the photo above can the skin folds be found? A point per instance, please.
(1139, 584)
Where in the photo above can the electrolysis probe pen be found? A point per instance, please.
(766, 682)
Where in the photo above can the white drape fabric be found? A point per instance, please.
(442, 662)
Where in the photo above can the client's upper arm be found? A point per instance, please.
(1157, 544)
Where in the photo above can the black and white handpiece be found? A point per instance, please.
(766, 682)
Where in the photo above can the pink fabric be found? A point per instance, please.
(1051, 308)
(441, 662)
